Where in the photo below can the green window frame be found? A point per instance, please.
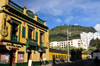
(23, 32)
(33, 33)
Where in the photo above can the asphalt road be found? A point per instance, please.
(79, 63)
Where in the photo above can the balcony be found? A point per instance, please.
(41, 44)
(31, 42)
(14, 38)
(15, 6)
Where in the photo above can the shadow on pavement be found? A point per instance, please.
(67, 63)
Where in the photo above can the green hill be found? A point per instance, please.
(59, 33)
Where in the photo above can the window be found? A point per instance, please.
(64, 44)
(15, 29)
(15, 32)
(23, 32)
(30, 34)
(41, 37)
(78, 43)
(68, 42)
(4, 58)
(20, 57)
(36, 36)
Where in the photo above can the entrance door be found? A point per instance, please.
(12, 58)
(29, 59)
(29, 56)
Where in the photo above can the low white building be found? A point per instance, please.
(75, 43)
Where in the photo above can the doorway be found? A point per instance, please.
(41, 59)
(29, 58)
(12, 58)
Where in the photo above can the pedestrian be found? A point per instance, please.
(44, 59)
(96, 61)
(53, 60)
(40, 61)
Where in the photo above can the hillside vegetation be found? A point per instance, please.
(59, 33)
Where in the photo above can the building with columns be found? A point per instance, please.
(24, 37)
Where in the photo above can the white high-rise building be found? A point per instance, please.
(87, 37)
(96, 35)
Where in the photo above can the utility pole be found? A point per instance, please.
(68, 46)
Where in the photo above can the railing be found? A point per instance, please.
(30, 13)
(40, 20)
(41, 44)
(14, 38)
(16, 6)
(31, 42)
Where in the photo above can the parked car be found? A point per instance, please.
(89, 57)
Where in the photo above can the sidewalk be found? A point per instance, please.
(66, 62)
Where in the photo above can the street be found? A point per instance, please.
(78, 63)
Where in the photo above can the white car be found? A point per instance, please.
(89, 57)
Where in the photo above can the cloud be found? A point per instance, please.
(58, 20)
(63, 7)
(76, 24)
(84, 12)
(69, 19)
(97, 27)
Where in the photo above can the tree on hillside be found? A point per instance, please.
(91, 49)
(56, 47)
(95, 43)
(70, 48)
(74, 32)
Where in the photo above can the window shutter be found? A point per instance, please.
(37, 36)
(23, 32)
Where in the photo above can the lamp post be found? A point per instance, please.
(68, 46)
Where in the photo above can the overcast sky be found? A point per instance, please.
(70, 12)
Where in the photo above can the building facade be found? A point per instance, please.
(87, 37)
(74, 43)
(24, 37)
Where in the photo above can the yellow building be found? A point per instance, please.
(24, 37)
(61, 56)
